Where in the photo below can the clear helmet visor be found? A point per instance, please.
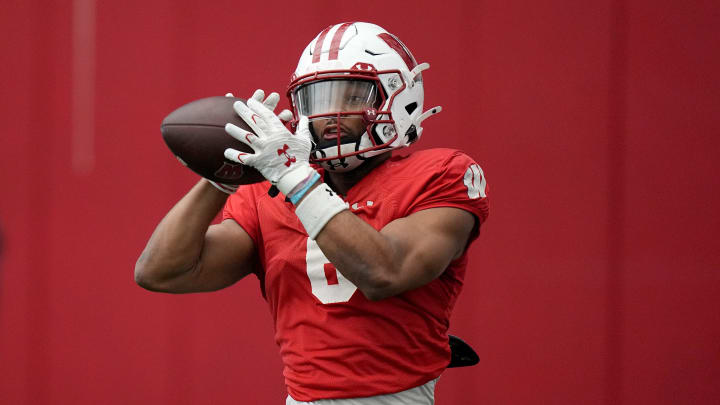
(342, 112)
(336, 96)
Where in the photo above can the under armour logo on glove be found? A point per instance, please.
(290, 159)
(277, 152)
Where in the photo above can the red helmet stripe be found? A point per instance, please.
(319, 44)
(398, 47)
(337, 38)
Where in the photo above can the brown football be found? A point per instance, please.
(195, 133)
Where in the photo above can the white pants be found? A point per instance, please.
(422, 395)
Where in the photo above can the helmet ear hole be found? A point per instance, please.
(411, 107)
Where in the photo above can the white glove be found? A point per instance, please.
(270, 102)
(281, 156)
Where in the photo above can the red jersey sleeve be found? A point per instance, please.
(456, 181)
(242, 208)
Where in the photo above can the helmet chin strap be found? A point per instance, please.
(342, 165)
(347, 163)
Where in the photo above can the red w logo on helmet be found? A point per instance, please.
(394, 43)
(290, 159)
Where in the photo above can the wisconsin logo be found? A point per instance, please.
(229, 171)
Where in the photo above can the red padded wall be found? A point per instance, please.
(595, 281)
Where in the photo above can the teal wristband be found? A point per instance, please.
(300, 193)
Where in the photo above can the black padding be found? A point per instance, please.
(461, 354)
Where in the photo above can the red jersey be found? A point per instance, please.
(335, 343)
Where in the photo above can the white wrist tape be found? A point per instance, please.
(318, 207)
(287, 182)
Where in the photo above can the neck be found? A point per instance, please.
(343, 182)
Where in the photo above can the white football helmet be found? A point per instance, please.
(352, 72)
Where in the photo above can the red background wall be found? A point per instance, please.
(596, 279)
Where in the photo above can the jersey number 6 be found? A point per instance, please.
(328, 284)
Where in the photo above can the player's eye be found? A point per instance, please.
(354, 99)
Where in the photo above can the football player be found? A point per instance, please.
(363, 253)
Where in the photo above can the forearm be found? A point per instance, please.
(406, 253)
(176, 244)
(364, 256)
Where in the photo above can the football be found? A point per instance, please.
(195, 133)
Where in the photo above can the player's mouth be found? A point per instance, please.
(332, 132)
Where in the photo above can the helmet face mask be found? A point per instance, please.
(362, 91)
(341, 112)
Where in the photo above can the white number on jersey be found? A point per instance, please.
(474, 180)
(328, 284)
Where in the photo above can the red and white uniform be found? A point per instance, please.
(335, 343)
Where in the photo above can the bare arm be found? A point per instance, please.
(407, 253)
(186, 254)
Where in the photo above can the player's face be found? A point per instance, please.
(337, 96)
(348, 128)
